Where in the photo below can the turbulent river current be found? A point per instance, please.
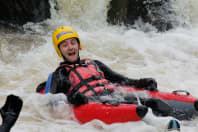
(27, 57)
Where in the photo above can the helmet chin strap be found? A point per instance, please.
(64, 58)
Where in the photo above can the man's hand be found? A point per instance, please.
(77, 99)
(10, 111)
(147, 83)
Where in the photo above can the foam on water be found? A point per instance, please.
(26, 59)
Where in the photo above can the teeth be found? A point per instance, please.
(71, 53)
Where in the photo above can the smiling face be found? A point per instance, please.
(70, 49)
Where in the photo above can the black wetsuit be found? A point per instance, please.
(60, 82)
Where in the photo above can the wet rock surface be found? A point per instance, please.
(158, 13)
(19, 12)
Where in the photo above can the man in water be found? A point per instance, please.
(10, 112)
(82, 79)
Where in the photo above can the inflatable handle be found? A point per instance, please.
(181, 91)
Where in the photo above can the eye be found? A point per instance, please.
(64, 44)
(73, 41)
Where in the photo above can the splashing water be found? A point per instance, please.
(27, 57)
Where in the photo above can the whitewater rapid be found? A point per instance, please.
(27, 57)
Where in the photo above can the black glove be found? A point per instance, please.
(147, 84)
(10, 112)
(77, 99)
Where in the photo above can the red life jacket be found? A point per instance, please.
(87, 78)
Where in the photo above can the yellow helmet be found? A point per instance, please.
(62, 33)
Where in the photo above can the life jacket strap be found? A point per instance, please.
(97, 85)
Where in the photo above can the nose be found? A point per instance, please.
(70, 45)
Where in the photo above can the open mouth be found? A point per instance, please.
(71, 54)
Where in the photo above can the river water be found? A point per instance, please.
(27, 57)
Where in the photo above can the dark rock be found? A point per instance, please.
(118, 10)
(155, 12)
(20, 12)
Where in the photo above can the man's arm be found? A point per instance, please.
(114, 77)
(60, 82)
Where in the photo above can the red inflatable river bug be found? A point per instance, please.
(179, 101)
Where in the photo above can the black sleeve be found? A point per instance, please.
(41, 87)
(60, 82)
(115, 77)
